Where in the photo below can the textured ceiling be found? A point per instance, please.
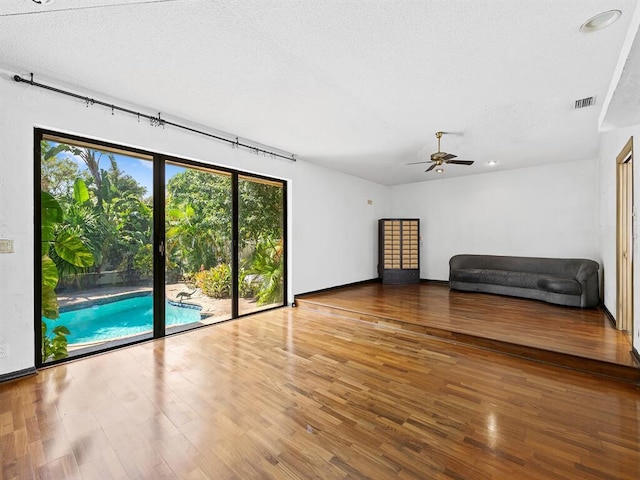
(623, 109)
(358, 86)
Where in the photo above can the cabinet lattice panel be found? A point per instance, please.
(399, 250)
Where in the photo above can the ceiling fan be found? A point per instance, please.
(439, 158)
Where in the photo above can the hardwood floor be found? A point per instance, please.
(298, 394)
(583, 339)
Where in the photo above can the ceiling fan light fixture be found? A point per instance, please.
(600, 21)
(440, 158)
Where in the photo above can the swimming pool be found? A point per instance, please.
(121, 318)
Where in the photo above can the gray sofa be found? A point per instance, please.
(564, 281)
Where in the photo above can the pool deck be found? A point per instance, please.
(98, 295)
(213, 309)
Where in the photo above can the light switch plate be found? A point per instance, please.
(6, 246)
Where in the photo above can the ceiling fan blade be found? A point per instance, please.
(416, 163)
(460, 162)
(431, 167)
(449, 156)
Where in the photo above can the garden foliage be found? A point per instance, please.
(99, 218)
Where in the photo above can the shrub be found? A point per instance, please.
(143, 261)
(268, 267)
(215, 282)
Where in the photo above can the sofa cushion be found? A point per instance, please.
(559, 284)
(473, 275)
(496, 277)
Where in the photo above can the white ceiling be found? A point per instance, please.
(358, 86)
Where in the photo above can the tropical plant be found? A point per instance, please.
(260, 210)
(199, 218)
(56, 173)
(131, 250)
(198, 221)
(143, 260)
(68, 248)
(268, 266)
(192, 244)
(81, 222)
(107, 210)
(54, 344)
(215, 282)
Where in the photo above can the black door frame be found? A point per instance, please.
(159, 241)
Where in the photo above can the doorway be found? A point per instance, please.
(624, 250)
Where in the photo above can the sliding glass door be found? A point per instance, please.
(198, 218)
(96, 237)
(132, 245)
(261, 244)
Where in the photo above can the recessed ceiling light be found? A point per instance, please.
(439, 170)
(492, 163)
(600, 21)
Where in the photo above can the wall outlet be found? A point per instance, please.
(4, 350)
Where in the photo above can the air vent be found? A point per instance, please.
(585, 102)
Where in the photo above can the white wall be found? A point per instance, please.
(546, 211)
(561, 210)
(332, 228)
(611, 144)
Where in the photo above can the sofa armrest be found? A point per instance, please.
(587, 269)
(587, 275)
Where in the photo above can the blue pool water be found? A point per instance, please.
(121, 318)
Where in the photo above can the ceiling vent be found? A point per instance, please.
(584, 102)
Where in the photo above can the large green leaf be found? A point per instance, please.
(175, 213)
(49, 273)
(80, 191)
(52, 152)
(61, 330)
(71, 249)
(48, 233)
(55, 344)
(58, 346)
(173, 232)
(106, 190)
(51, 209)
(49, 303)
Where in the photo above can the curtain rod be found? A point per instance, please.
(156, 121)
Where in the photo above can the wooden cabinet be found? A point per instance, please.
(399, 250)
